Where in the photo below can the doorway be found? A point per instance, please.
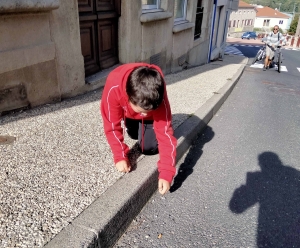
(99, 33)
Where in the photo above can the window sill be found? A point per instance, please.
(145, 11)
(155, 16)
(184, 26)
(15, 6)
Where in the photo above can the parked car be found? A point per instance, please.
(249, 35)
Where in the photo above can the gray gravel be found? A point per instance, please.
(60, 162)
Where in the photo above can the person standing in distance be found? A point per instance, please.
(135, 99)
(273, 40)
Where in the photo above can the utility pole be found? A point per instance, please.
(294, 9)
(297, 34)
(279, 5)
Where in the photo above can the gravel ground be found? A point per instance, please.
(60, 162)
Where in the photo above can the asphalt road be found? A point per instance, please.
(239, 184)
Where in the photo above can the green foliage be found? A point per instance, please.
(285, 6)
(294, 24)
(256, 29)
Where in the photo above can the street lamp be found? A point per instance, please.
(294, 8)
(279, 5)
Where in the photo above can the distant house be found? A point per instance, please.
(267, 18)
(241, 20)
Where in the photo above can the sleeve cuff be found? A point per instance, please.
(167, 175)
(116, 160)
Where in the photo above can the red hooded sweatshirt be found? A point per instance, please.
(115, 107)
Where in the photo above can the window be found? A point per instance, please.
(266, 23)
(199, 18)
(180, 10)
(150, 4)
(242, 23)
(234, 23)
(280, 21)
(229, 25)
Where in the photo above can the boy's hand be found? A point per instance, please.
(163, 186)
(123, 166)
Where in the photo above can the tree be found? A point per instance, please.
(294, 24)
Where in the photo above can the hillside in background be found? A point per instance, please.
(285, 6)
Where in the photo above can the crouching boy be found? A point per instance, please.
(136, 95)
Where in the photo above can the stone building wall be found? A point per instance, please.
(40, 46)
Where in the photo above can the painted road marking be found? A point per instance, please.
(285, 48)
(260, 66)
(233, 50)
(257, 66)
(282, 68)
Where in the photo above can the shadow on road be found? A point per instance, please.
(195, 152)
(277, 190)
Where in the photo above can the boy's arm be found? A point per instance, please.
(112, 114)
(166, 141)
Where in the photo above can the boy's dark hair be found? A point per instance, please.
(145, 87)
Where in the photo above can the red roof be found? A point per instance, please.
(245, 5)
(269, 12)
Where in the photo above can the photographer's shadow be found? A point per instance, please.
(195, 152)
(277, 190)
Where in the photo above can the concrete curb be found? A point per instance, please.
(106, 219)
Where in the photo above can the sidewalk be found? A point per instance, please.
(58, 185)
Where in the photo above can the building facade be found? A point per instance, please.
(241, 20)
(220, 20)
(51, 49)
(267, 18)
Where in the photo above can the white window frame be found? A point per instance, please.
(152, 6)
(182, 19)
(266, 23)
